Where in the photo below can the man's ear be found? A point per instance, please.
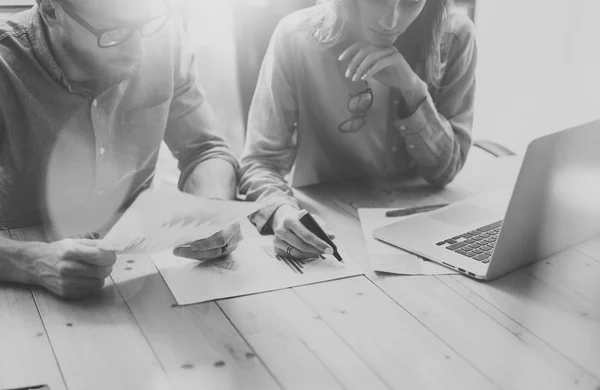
(51, 13)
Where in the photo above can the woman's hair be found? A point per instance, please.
(420, 44)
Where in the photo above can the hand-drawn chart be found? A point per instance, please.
(252, 268)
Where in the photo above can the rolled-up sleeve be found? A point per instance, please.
(193, 134)
(270, 149)
(438, 134)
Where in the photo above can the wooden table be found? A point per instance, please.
(537, 328)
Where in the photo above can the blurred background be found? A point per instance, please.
(537, 72)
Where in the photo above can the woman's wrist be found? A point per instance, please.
(414, 95)
(281, 212)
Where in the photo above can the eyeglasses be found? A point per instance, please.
(358, 105)
(116, 36)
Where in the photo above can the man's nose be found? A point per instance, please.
(389, 20)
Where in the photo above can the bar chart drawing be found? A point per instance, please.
(295, 265)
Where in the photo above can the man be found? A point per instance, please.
(89, 89)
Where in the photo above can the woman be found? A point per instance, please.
(354, 88)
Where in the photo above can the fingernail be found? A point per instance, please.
(347, 73)
(364, 77)
(355, 77)
(329, 251)
(340, 57)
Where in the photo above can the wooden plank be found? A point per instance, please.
(571, 327)
(581, 378)
(300, 349)
(26, 358)
(512, 359)
(195, 344)
(393, 343)
(573, 275)
(97, 342)
(591, 248)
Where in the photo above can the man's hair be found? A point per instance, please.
(420, 43)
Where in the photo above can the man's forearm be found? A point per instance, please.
(14, 261)
(214, 178)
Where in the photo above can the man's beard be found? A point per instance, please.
(100, 75)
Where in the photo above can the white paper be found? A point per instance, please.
(253, 268)
(388, 258)
(159, 220)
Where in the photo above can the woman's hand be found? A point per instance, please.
(293, 239)
(387, 66)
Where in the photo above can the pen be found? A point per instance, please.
(413, 210)
(309, 222)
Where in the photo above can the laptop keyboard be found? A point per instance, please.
(477, 244)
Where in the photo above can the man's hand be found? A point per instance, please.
(69, 268)
(214, 247)
(387, 66)
(293, 239)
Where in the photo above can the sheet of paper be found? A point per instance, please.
(253, 268)
(161, 219)
(388, 258)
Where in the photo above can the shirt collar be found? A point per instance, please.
(41, 48)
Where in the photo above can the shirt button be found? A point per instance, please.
(394, 149)
(411, 146)
(400, 126)
(101, 151)
(95, 103)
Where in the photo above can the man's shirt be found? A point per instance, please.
(67, 154)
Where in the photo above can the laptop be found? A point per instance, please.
(554, 205)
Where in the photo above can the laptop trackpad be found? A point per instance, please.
(465, 215)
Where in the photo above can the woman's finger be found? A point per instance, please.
(358, 59)
(350, 52)
(378, 67)
(370, 61)
(307, 236)
(292, 238)
(281, 248)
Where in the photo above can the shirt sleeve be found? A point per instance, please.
(270, 149)
(438, 134)
(193, 134)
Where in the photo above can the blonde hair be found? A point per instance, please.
(420, 44)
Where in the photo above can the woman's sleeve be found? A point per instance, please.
(438, 134)
(270, 152)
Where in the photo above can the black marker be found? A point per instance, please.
(309, 222)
